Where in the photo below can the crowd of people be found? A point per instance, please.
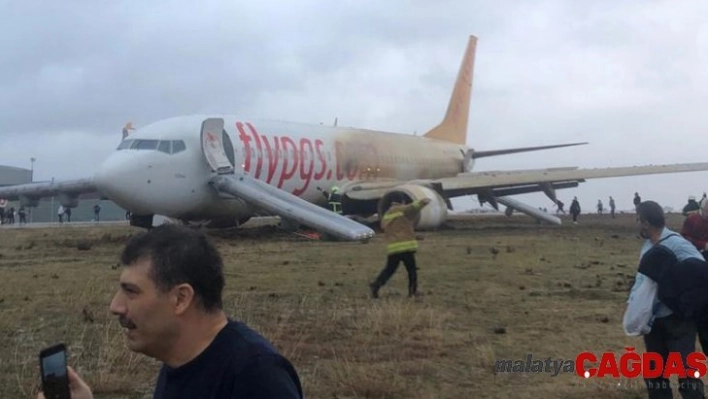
(7, 216)
(691, 207)
(575, 207)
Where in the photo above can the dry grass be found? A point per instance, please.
(555, 291)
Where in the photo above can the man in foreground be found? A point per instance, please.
(170, 305)
(667, 331)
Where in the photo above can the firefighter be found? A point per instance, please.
(397, 224)
(334, 199)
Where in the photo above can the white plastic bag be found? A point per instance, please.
(639, 316)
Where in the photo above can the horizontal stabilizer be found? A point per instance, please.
(482, 154)
(290, 207)
(528, 209)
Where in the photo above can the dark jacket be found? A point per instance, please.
(575, 207)
(691, 207)
(681, 285)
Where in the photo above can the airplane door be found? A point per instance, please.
(213, 146)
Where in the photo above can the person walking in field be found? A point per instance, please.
(575, 209)
(398, 225)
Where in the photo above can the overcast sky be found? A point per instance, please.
(629, 77)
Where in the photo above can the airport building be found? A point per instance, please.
(10, 175)
(46, 211)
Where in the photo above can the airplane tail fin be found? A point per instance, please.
(453, 127)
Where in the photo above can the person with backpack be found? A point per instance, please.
(575, 209)
(663, 330)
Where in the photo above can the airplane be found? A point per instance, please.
(221, 170)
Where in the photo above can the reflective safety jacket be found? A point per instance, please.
(397, 224)
(335, 202)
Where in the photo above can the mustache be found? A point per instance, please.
(125, 323)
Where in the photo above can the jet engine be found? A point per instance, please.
(431, 217)
(69, 200)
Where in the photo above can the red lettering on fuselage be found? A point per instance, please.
(323, 160)
(307, 165)
(290, 157)
(259, 153)
(273, 155)
(246, 140)
(298, 158)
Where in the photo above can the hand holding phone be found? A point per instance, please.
(55, 377)
(59, 381)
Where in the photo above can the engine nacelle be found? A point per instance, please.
(431, 217)
(69, 200)
(28, 202)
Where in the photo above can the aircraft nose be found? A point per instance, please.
(114, 177)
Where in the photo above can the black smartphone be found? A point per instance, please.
(55, 377)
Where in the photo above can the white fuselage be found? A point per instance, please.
(160, 168)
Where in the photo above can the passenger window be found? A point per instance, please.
(164, 146)
(125, 144)
(178, 146)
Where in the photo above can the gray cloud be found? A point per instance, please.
(630, 77)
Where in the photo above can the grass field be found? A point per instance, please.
(549, 291)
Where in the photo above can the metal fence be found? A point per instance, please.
(46, 211)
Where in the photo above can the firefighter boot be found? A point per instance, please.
(412, 288)
(374, 287)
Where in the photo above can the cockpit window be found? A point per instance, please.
(145, 144)
(165, 146)
(125, 144)
(178, 146)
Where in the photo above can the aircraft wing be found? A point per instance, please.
(35, 191)
(501, 183)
